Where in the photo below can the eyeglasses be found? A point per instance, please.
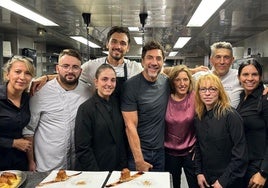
(67, 67)
(210, 90)
(20, 58)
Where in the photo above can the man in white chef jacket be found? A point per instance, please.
(53, 111)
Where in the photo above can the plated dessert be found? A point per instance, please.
(9, 180)
(74, 179)
(125, 177)
(133, 179)
(61, 176)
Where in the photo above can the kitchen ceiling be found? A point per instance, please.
(234, 21)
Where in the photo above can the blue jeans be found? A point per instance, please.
(154, 157)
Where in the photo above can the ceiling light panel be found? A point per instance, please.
(85, 41)
(181, 42)
(204, 11)
(27, 13)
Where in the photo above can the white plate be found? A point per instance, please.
(147, 180)
(83, 180)
(18, 173)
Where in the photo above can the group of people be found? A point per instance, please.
(111, 113)
(221, 138)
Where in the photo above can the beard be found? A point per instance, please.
(150, 76)
(153, 75)
(117, 58)
(117, 55)
(70, 82)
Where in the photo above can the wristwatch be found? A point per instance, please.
(264, 174)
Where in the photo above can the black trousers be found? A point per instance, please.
(174, 165)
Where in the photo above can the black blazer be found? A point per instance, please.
(100, 139)
(254, 111)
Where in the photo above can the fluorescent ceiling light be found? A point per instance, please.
(181, 42)
(204, 11)
(171, 54)
(85, 41)
(18, 9)
(138, 40)
(133, 29)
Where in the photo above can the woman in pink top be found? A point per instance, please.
(180, 133)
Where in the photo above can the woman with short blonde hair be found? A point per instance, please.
(15, 113)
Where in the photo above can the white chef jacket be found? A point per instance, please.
(89, 68)
(53, 112)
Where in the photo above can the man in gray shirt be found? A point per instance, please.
(143, 105)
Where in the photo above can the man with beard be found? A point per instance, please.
(143, 105)
(53, 112)
(118, 44)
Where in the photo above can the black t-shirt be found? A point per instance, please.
(149, 99)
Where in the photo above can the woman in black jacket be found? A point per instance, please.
(253, 108)
(99, 128)
(15, 113)
(221, 151)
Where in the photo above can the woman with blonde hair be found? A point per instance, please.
(221, 151)
(179, 132)
(15, 113)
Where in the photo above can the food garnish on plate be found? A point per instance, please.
(146, 183)
(9, 180)
(125, 177)
(61, 176)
